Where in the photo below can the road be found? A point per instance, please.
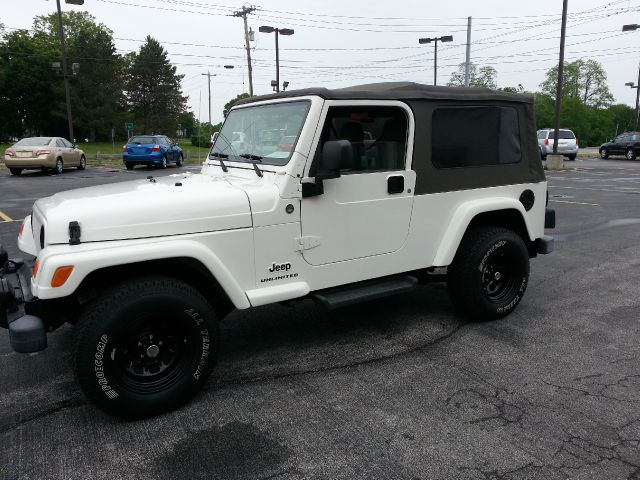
(401, 388)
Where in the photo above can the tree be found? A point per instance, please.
(97, 91)
(27, 90)
(584, 80)
(478, 77)
(153, 89)
(232, 102)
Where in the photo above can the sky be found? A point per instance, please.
(338, 43)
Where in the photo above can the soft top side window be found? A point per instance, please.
(378, 136)
(472, 136)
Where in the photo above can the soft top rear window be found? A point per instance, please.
(475, 136)
(143, 140)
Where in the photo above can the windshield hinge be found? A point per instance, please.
(306, 243)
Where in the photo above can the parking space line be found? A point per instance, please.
(5, 217)
(575, 203)
(635, 192)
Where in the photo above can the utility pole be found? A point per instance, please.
(208, 75)
(467, 67)
(246, 10)
(65, 73)
(563, 32)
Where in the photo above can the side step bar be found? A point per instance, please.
(363, 291)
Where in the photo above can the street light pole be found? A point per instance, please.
(444, 38)
(629, 28)
(278, 31)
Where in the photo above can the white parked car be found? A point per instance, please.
(445, 184)
(567, 143)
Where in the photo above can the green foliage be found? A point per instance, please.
(202, 136)
(478, 77)
(582, 79)
(232, 102)
(153, 90)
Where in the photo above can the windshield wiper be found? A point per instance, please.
(220, 156)
(254, 161)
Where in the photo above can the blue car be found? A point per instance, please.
(151, 150)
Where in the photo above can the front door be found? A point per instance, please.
(367, 210)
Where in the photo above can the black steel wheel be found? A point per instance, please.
(145, 347)
(489, 273)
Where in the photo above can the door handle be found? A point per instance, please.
(395, 184)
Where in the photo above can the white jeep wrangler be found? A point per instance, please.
(385, 186)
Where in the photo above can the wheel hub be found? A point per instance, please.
(153, 351)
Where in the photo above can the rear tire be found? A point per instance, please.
(631, 154)
(16, 171)
(164, 162)
(83, 163)
(180, 161)
(128, 166)
(145, 346)
(59, 168)
(489, 273)
(571, 157)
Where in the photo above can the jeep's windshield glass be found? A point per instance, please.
(267, 133)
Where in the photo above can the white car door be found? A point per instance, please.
(367, 210)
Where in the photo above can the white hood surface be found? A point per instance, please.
(145, 208)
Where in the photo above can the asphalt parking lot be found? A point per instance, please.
(401, 388)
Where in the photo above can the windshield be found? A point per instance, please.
(254, 133)
(143, 140)
(33, 142)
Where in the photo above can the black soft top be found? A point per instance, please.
(399, 91)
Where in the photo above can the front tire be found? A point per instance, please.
(631, 154)
(16, 171)
(604, 153)
(489, 273)
(145, 347)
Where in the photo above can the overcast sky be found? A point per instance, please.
(340, 43)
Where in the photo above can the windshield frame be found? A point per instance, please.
(265, 161)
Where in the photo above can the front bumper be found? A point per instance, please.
(27, 333)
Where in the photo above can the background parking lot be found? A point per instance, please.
(399, 388)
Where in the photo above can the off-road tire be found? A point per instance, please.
(123, 369)
(83, 163)
(180, 161)
(16, 171)
(604, 153)
(472, 278)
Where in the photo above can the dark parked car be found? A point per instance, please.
(153, 150)
(627, 144)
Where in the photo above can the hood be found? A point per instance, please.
(173, 205)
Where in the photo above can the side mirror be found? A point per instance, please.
(336, 155)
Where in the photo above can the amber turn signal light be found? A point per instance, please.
(61, 275)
